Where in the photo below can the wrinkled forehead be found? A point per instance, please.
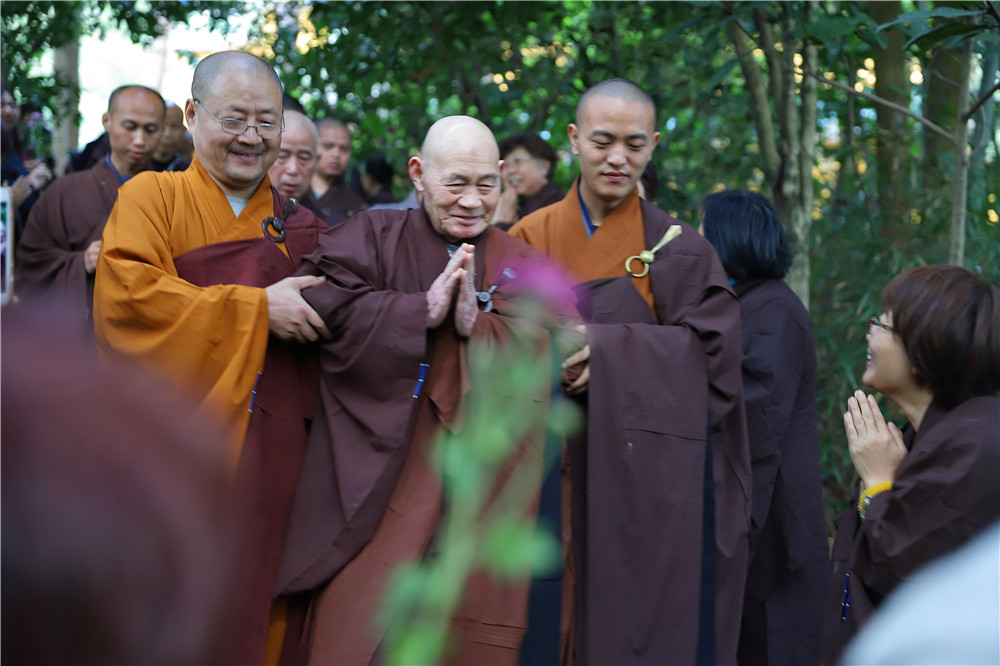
(463, 163)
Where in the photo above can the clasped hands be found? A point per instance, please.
(454, 290)
(876, 448)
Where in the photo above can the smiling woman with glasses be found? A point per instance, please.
(930, 487)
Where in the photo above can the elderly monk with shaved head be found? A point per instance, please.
(195, 281)
(407, 293)
(293, 170)
(661, 482)
(57, 254)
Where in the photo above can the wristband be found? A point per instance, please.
(865, 500)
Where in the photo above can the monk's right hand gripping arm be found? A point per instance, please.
(289, 316)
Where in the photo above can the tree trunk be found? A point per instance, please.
(956, 248)
(892, 141)
(801, 228)
(66, 134)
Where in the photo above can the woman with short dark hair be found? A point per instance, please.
(529, 161)
(927, 489)
(789, 561)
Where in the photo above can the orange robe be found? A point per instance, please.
(211, 339)
(180, 288)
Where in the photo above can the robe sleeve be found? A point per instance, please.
(945, 495)
(212, 338)
(48, 261)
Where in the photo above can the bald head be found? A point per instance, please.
(462, 135)
(209, 69)
(299, 124)
(293, 170)
(154, 97)
(458, 175)
(619, 89)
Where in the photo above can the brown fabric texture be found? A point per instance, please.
(665, 362)
(789, 555)
(368, 498)
(68, 217)
(945, 493)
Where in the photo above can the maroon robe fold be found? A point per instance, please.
(789, 552)
(284, 402)
(368, 498)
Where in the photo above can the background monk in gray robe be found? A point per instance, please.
(402, 300)
(57, 255)
(661, 486)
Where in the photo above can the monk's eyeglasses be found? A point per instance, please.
(238, 127)
(874, 323)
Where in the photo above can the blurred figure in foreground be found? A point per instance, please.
(926, 489)
(786, 582)
(911, 627)
(113, 499)
(528, 163)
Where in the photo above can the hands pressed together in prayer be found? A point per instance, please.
(90, 256)
(576, 369)
(455, 289)
(289, 316)
(876, 447)
(506, 210)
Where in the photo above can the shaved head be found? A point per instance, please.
(461, 134)
(117, 93)
(235, 87)
(458, 176)
(332, 122)
(622, 90)
(298, 122)
(210, 67)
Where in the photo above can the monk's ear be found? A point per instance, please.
(189, 114)
(416, 168)
(656, 139)
(574, 136)
(106, 121)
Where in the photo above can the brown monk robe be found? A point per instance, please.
(57, 253)
(945, 493)
(64, 222)
(665, 359)
(406, 295)
(661, 485)
(374, 390)
(193, 290)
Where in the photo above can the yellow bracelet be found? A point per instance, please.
(865, 500)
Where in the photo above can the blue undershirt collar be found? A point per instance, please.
(588, 224)
(121, 178)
